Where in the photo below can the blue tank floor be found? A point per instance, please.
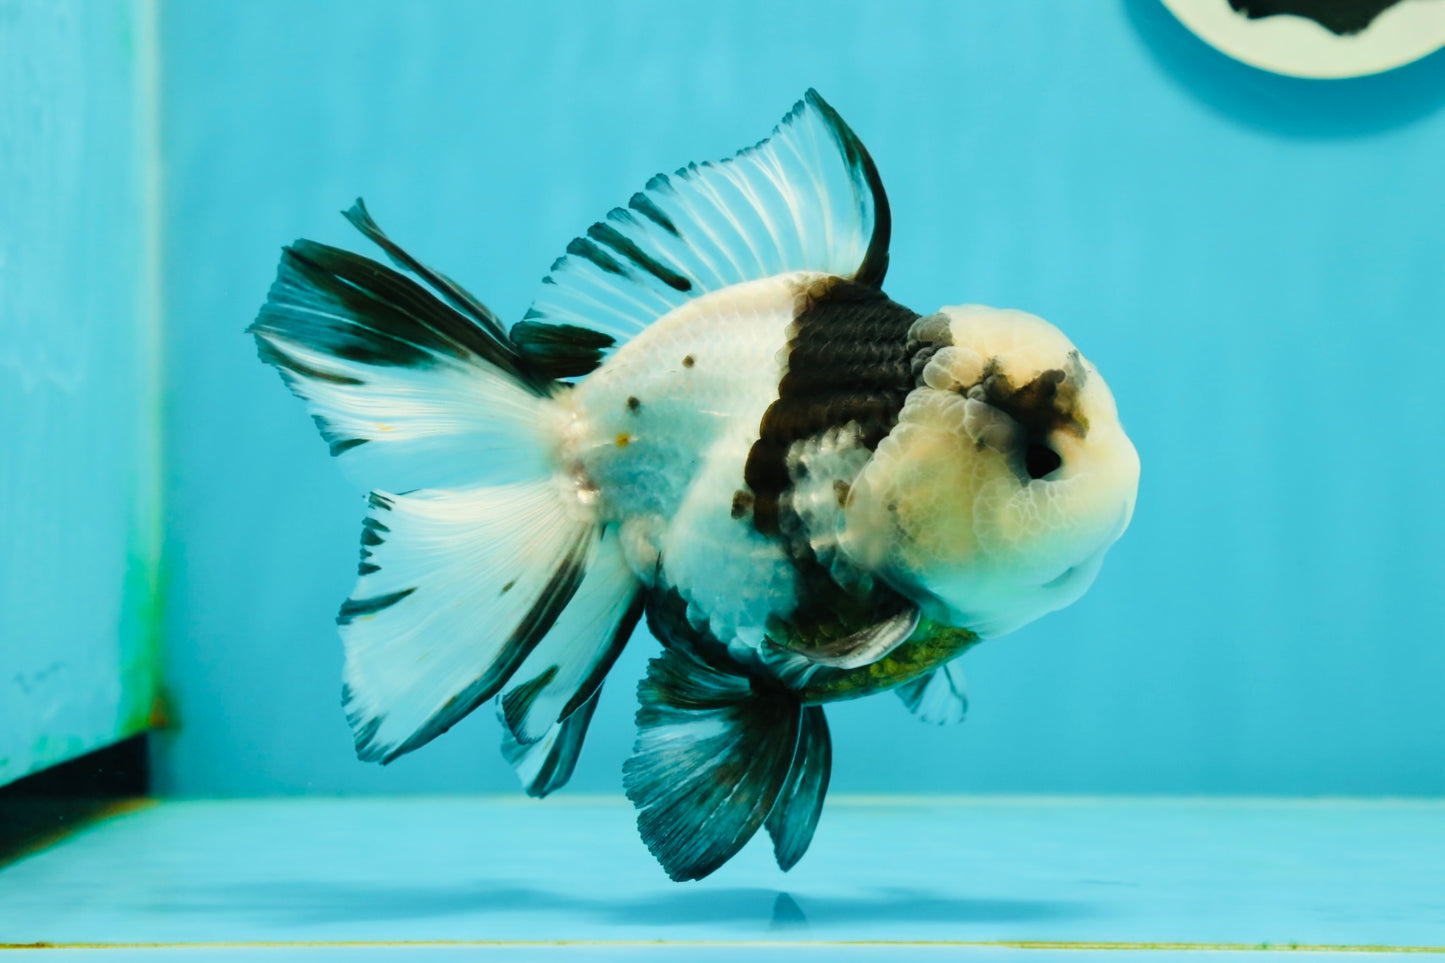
(512, 879)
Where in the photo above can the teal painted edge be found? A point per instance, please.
(142, 611)
(140, 706)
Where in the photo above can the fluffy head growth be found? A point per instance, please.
(1007, 478)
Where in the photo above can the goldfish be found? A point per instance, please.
(712, 418)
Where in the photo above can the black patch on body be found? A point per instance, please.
(667, 620)
(1340, 17)
(1048, 403)
(829, 616)
(848, 362)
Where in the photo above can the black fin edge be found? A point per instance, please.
(351, 307)
(517, 704)
(560, 350)
(539, 619)
(459, 297)
(875, 260)
(861, 170)
(794, 817)
(562, 758)
(702, 794)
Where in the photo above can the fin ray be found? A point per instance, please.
(937, 698)
(545, 766)
(713, 753)
(568, 665)
(807, 198)
(795, 814)
(473, 580)
(408, 391)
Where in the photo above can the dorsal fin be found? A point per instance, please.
(808, 198)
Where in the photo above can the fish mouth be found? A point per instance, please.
(1063, 578)
(1090, 561)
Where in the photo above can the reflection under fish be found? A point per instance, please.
(712, 416)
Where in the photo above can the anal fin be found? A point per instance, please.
(796, 811)
(713, 755)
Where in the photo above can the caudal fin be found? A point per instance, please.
(718, 754)
(546, 765)
(481, 567)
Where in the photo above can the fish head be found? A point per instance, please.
(1007, 478)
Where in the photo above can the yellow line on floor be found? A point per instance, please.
(746, 944)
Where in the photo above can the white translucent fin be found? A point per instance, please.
(419, 389)
(398, 428)
(808, 198)
(568, 665)
(409, 391)
(457, 589)
(545, 766)
(937, 698)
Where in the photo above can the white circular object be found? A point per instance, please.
(1300, 47)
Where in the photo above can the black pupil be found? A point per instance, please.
(1040, 460)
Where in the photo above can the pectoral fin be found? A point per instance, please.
(937, 698)
(843, 638)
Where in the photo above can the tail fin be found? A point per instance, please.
(717, 755)
(547, 764)
(488, 565)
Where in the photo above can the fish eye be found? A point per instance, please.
(1040, 460)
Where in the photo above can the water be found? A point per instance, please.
(1254, 264)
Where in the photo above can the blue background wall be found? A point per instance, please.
(79, 378)
(1255, 264)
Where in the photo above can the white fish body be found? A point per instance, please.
(664, 429)
(712, 416)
